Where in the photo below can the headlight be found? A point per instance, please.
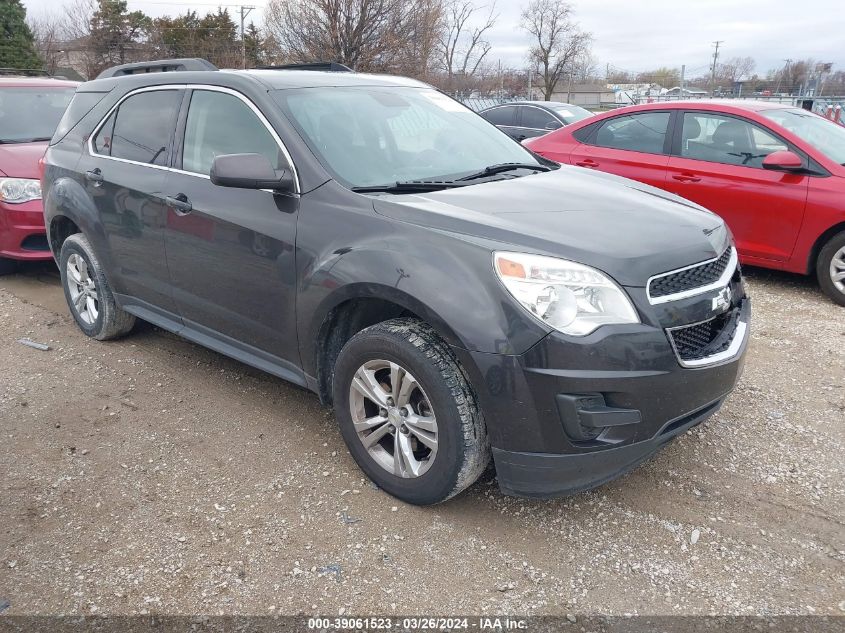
(572, 298)
(17, 190)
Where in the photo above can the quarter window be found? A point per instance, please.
(644, 132)
(220, 123)
(141, 128)
(723, 139)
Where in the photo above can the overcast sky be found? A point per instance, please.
(640, 35)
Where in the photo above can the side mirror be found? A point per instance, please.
(249, 171)
(783, 161)
(554, 125)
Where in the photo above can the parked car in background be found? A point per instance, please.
(528, 119)
(30, 109)
(451, 294)
(776, 174)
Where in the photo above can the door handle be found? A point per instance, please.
(587, 163)
(686, 178)
(179, 203)
(94, 176)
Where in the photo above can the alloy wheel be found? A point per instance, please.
(837, 269)
(393, 418)
(82, 289)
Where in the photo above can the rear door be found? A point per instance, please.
(231, 251)
(506, 118)
(125, 169)
(634, 145)
(718, 163)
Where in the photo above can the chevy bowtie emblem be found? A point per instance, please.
(722, 301)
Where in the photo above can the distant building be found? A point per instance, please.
(584, 95)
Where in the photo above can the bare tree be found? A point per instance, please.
(49, 40)
(557, 41)
(363, 34)
(462, 43)
(734, 69)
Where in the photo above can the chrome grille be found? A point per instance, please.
(690, 278)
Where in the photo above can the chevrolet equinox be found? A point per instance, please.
(452, 295)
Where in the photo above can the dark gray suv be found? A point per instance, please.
(451, 294)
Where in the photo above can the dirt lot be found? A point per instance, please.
(150, 475)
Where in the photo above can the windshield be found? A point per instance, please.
(826, 136)
(368, 136)
(572, 113)
(31, 114)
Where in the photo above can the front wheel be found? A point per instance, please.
(830, 268)
(407, 413)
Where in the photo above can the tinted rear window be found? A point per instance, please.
(501, 116)
(81, 104)
(31, 114)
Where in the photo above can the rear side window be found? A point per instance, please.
(645, 132)
(141, 128)
(501, 116)
(220, 123)
(81, 104)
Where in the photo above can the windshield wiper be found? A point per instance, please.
(503, 167)
(410, 186)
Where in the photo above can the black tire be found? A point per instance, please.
(823, 265)
(463, 449)
(8, 266)
(111, 322)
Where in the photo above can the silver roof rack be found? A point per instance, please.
(158, 66)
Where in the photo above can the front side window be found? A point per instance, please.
(372, 136)
(824, 135)
(140, 128)
(220, 123)
(722, 139)
(31, 114)
(539, 119)
(645, 132)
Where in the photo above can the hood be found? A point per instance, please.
(628, 230)
(20, 160)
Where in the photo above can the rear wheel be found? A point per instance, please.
(830, 268)
(407, 413)
(88, 294)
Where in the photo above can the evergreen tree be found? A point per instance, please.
(17, 44)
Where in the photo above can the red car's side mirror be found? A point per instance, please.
(783, 161)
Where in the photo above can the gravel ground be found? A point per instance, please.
(149, 475)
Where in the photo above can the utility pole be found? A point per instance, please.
(245, 11)
(683, 74)
(782, 75)
(713, 69)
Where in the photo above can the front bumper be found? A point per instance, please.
(22, 233)
(630, 378)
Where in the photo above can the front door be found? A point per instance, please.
(635, 146)
(125, 174)
(231, 251)
(719, 165)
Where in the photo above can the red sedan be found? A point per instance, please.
(30, 109)
(775, 173)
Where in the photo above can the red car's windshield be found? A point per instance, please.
(31, 114)
(826, 136)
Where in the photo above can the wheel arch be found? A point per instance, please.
(350, 310)
(818, 245)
